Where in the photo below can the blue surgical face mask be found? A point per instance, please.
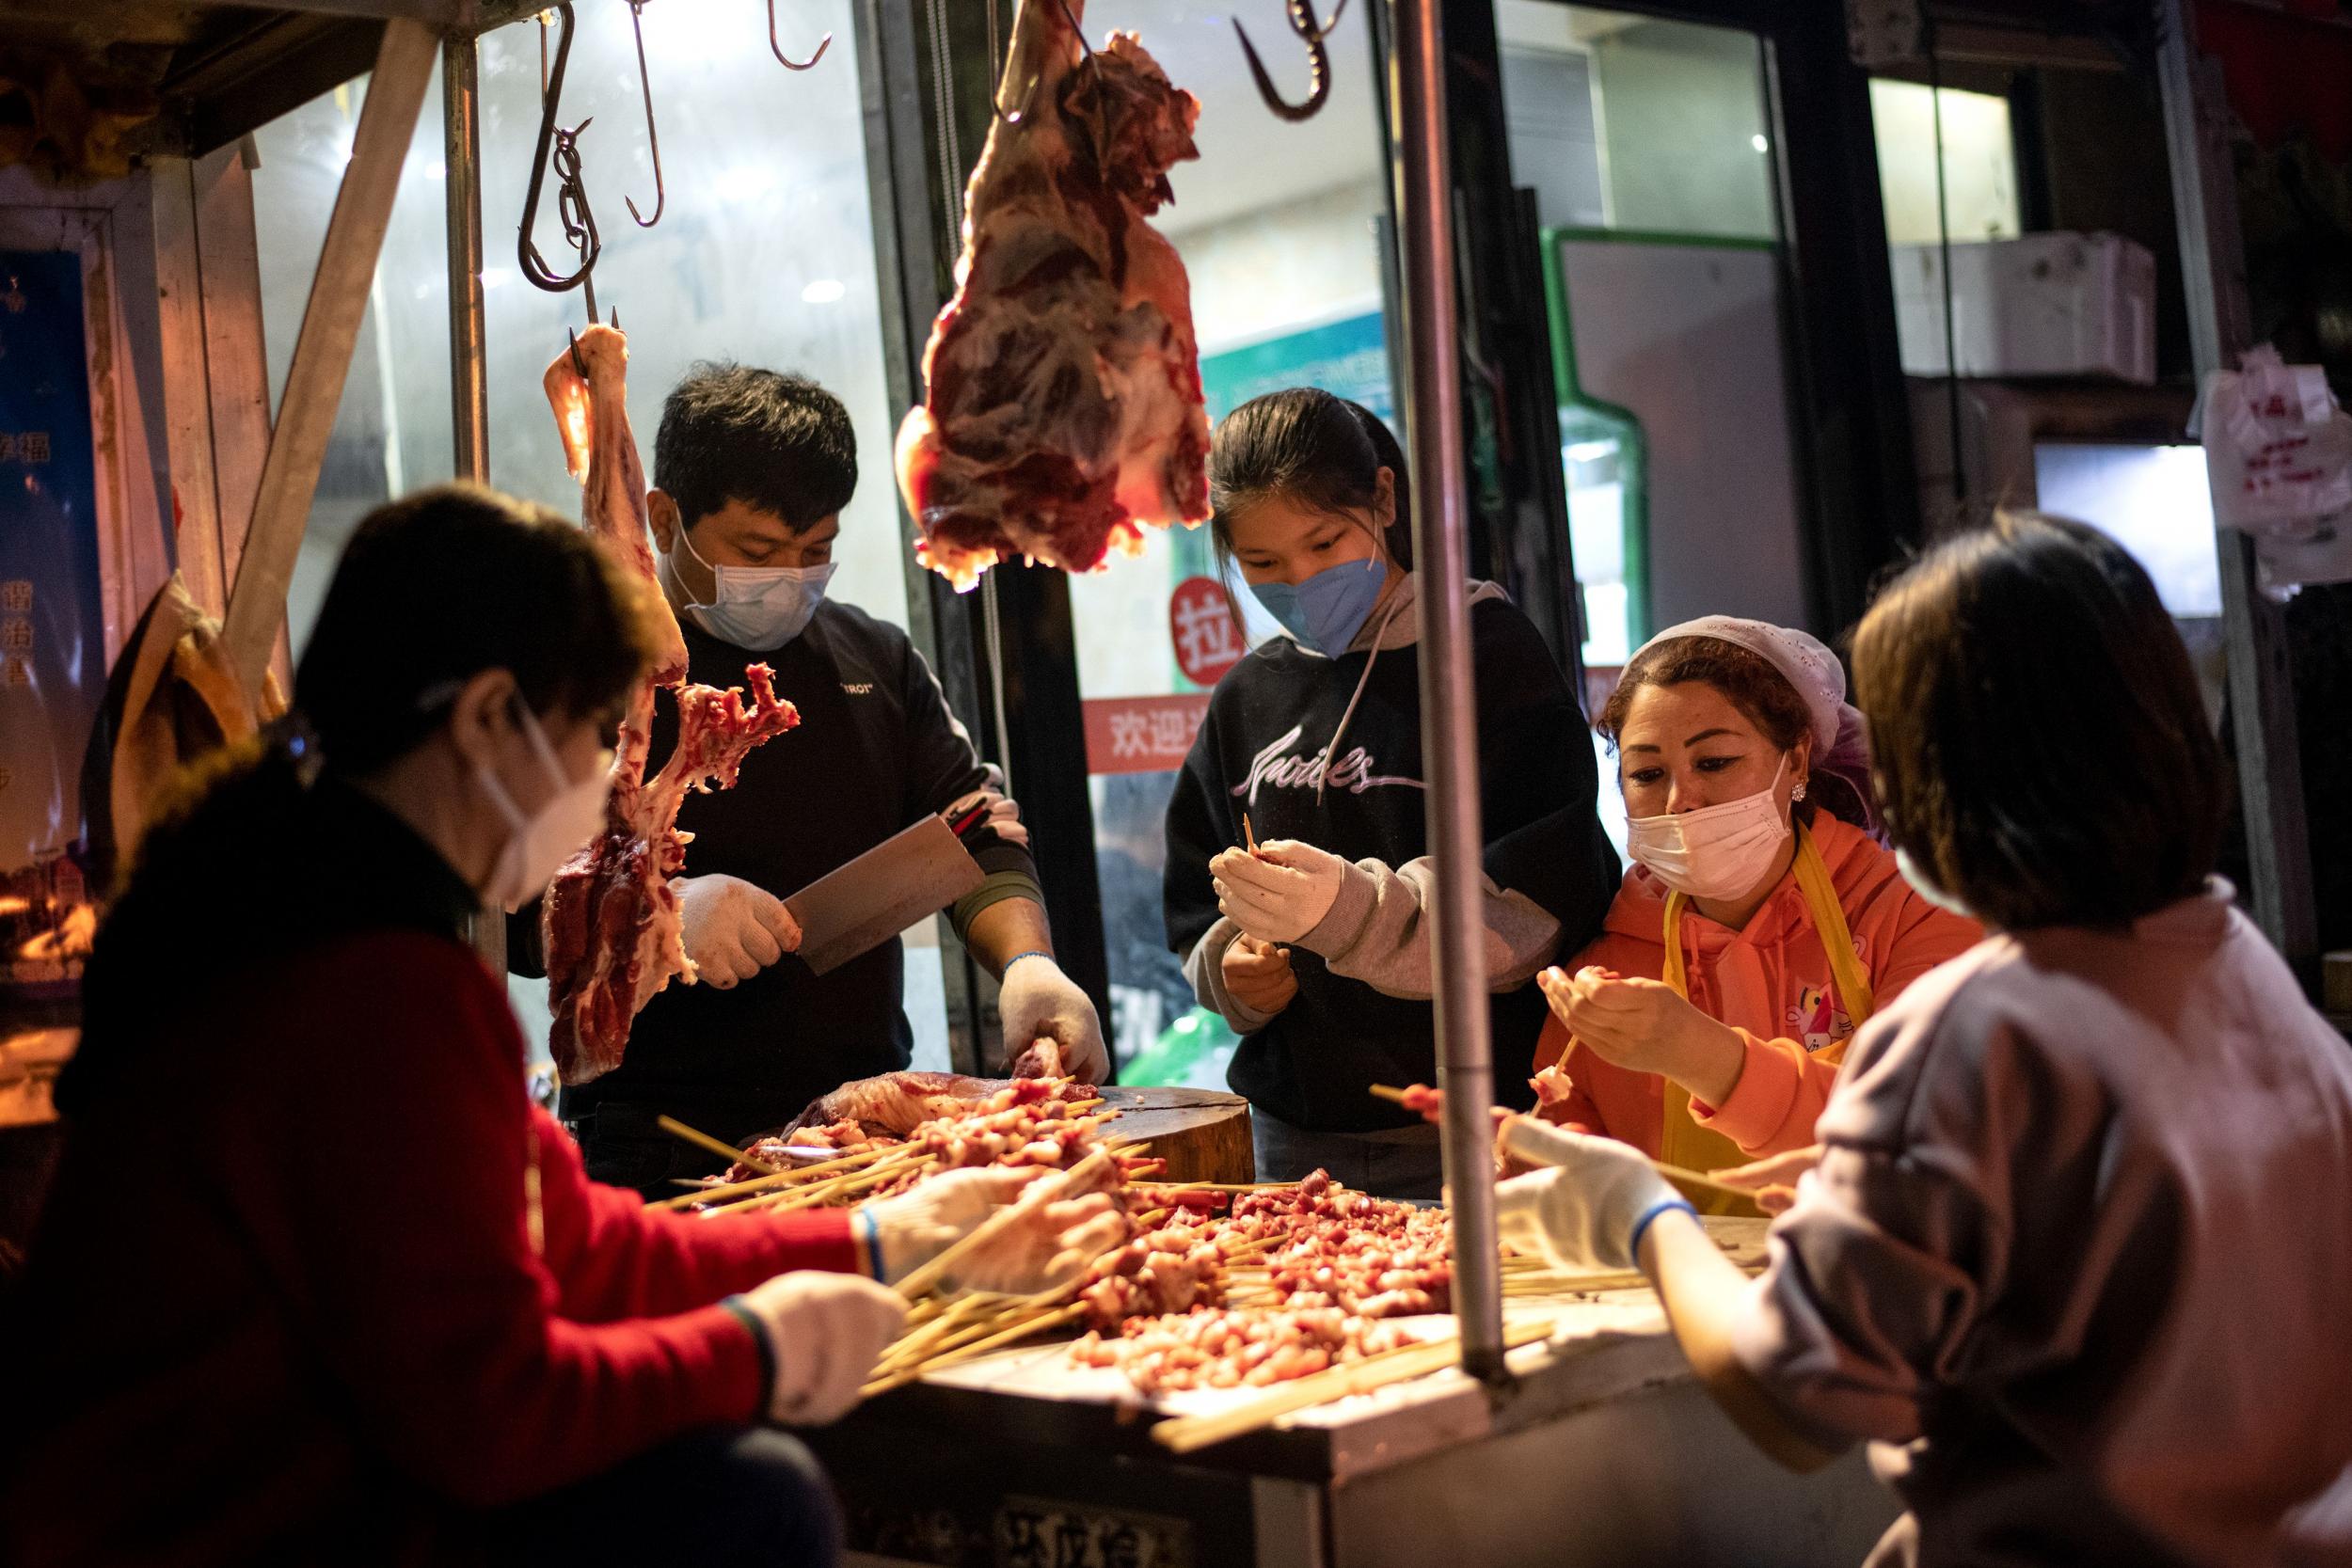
(1326, 612)
(759, 609)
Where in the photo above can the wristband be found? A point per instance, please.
(1633, 1245)
(873, 1244)
(760, 1342)
(1032, 953)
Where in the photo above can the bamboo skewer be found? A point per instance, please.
(1033, 1323)
(1186, 1434)
(678, 1129)
(1691, 1183)
(730, 1191)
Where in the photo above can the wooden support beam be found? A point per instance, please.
(2261, 682)
(322, 356)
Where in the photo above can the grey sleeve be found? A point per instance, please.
(1204, 966)
(1378, 931)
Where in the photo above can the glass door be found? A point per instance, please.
(1648, 143)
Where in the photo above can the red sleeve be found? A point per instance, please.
(612, 1257)
(399, 1240)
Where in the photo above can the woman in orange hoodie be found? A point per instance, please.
(1705, 1025)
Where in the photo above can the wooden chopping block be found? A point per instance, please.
(1203, 1135)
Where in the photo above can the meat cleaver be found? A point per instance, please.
(849, 912)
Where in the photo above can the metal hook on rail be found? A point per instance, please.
(653, 138)
(560, 148)
(1311, 31)
(785, 60)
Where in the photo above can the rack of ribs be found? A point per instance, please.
(613, 934)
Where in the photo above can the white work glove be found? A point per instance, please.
(1039, 1002)
(1590, 1210)
(1282, 891)
(1044, 1251)
(1004, 815)
(733, 930)
(824, 1333)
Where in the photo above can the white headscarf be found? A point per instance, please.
(1841, 746)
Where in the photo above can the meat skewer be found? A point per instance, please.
(614, 933)
(1062, 408)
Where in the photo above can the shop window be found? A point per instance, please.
(1980, 164)
(764, 254)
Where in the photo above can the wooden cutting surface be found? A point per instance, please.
(1201, 1133)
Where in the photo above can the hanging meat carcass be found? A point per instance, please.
(1062, 408)
(611, 921)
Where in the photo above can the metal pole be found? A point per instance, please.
(2262, 680)
(1448, 706)
(468, 368)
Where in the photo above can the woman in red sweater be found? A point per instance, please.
(316, 1281)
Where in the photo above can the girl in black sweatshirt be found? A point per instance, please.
(1315, 737)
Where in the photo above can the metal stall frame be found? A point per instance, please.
(2220, 327)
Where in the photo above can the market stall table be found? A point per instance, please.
(1603, 1450)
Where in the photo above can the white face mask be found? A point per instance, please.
(756, 607)
(1717, 853)
(537, 844)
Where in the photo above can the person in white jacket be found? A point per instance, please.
(2076, 1247)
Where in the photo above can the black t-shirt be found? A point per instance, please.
(877, 749)
(1259, 750)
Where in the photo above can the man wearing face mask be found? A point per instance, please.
(752, 470)
(1762, 924)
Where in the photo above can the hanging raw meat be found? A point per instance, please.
(1063, 405)
(611, 921)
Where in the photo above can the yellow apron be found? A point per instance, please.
(1682, 1141)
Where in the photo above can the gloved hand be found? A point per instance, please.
(1039, 1002)
(911, 1229)
(1004, 815)
(733, 930)
(824, 1333)
(1588, 1212)
(1257, 975)
(1282, 891)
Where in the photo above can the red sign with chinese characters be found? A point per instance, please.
(1201, 623)
(1142, 734)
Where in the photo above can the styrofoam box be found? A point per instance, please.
(2046, 305)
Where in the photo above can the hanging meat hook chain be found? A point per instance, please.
(785, 60)
(1314, 33)
(560, 148)
(653, 138)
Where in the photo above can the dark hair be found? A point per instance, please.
(440, 585)
(2036, 626)
(774, 441)
(1304, 446)
(1748, 682)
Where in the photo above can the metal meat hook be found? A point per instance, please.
(1311, 31)
(560, 148)
(652, 139)
(1085, 62)
(785, 60)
